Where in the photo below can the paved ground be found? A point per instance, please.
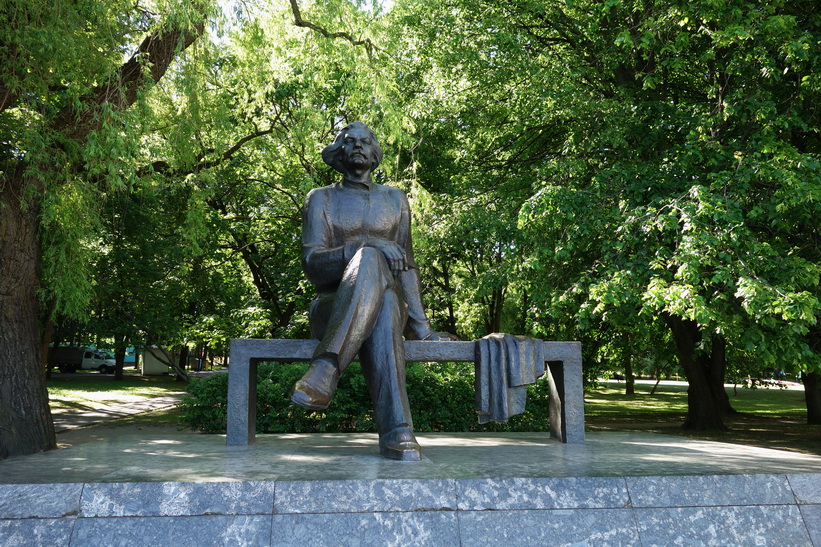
(470, 489)
(336, 488)
(162, 455)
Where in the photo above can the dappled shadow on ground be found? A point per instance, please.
(780, 433)
(122, 427)
(72, 406)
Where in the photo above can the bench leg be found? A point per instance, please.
(242, 396)
(567, 397)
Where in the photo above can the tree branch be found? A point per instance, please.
(156, 52)
(7, 97)
(166, 359)
(233, 150)
(163, 167)
(300, 22)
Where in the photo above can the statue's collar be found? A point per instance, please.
(356, 185)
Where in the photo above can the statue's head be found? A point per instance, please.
(353, 140)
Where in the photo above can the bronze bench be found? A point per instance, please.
(564, 372)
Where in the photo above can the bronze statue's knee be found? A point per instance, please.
(370, 261)
(368, 254)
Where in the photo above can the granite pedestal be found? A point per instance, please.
(177, 488)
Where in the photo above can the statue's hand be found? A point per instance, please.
(394, 254)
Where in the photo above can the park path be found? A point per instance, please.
(84, 416)
(66, 419)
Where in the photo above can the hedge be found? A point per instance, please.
(441, 399)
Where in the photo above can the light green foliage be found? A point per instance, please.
(470, 254)
(677, 168)
(655, 161)
(53, 54)
(577, 170)
(238, 129)
(606, 159)
(57, 57)
(69, 73)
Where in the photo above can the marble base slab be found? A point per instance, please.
(704, 510)
(472, 489)
(172, 456)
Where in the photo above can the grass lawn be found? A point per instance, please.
(767, 417)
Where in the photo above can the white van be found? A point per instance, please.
(71, 359)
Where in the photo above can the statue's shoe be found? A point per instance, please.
(400, 444)
(316, 388)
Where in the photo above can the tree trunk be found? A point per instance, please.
(629, 377)
(717, 373)
(451, 327)
(812, 380)
(495, 305)
(523, 309)
(45, 340)
(25, 417)
(119, 358)
(183, 361)
(704, 408)
(812, 395)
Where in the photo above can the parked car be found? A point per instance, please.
(72, 359)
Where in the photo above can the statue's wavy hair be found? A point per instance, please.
(332, 154)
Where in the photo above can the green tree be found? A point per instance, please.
(673, 153)
(244, 140)
(65, 89)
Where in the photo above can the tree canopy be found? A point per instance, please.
(640, 175)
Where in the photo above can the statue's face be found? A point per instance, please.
(357, 148)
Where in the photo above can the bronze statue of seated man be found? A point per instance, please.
(356, 250)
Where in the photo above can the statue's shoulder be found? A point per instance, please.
(394, 193)
(321, 190)
(316, 195)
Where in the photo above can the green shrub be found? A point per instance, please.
(350, 410)
(205, 406)
(441, 398)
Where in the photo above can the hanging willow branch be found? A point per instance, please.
(300, 22)
(157, 51)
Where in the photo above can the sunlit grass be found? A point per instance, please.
(171, 416)
(767, 417)
(609, 400)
